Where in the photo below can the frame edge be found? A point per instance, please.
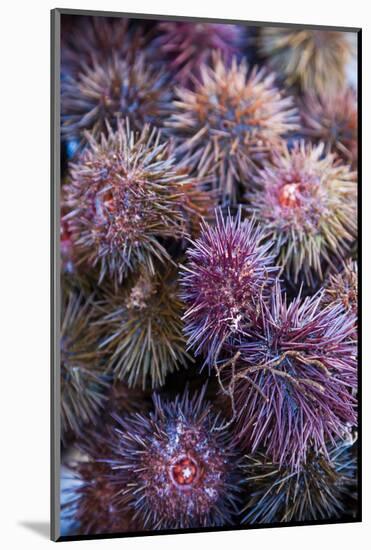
(55, 27)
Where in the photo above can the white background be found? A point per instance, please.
(24, 288)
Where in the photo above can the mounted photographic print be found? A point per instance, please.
(205, 361)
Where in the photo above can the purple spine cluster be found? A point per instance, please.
(296, 380)
(289, 367)
(176, 467)
(227, 271)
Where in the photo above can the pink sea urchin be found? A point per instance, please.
(187, 46)
(307, 203)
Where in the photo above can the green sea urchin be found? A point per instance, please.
(127, 195)
(82, 384)
(142, 329)
(333, 121)
(315, 60)
(319, 490)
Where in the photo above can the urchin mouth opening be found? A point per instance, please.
(184, 472)
(289, 195)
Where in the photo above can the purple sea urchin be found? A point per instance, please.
(126, 194)
(232, 119)
(188, 46)
(334, 121)
(117, 87)
(95, 39)
(91, 502)
(307, 203)
(142, 329)
(82, 386)
(315, 60)
(319, 490)
(294, 383)
(177, 467)
(227, 271)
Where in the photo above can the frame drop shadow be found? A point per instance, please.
(41, 528)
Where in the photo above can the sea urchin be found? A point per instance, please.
(115, 88)
(94, 39)
(231, 120)
(227, 271)
(315, 60)
(334, 121)
(125, 196)
(142, 328)
(82, 384)
(294, 385)
(177, 467)
(319, 490)
(187, 46)
(343, 287)
(307, 203)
